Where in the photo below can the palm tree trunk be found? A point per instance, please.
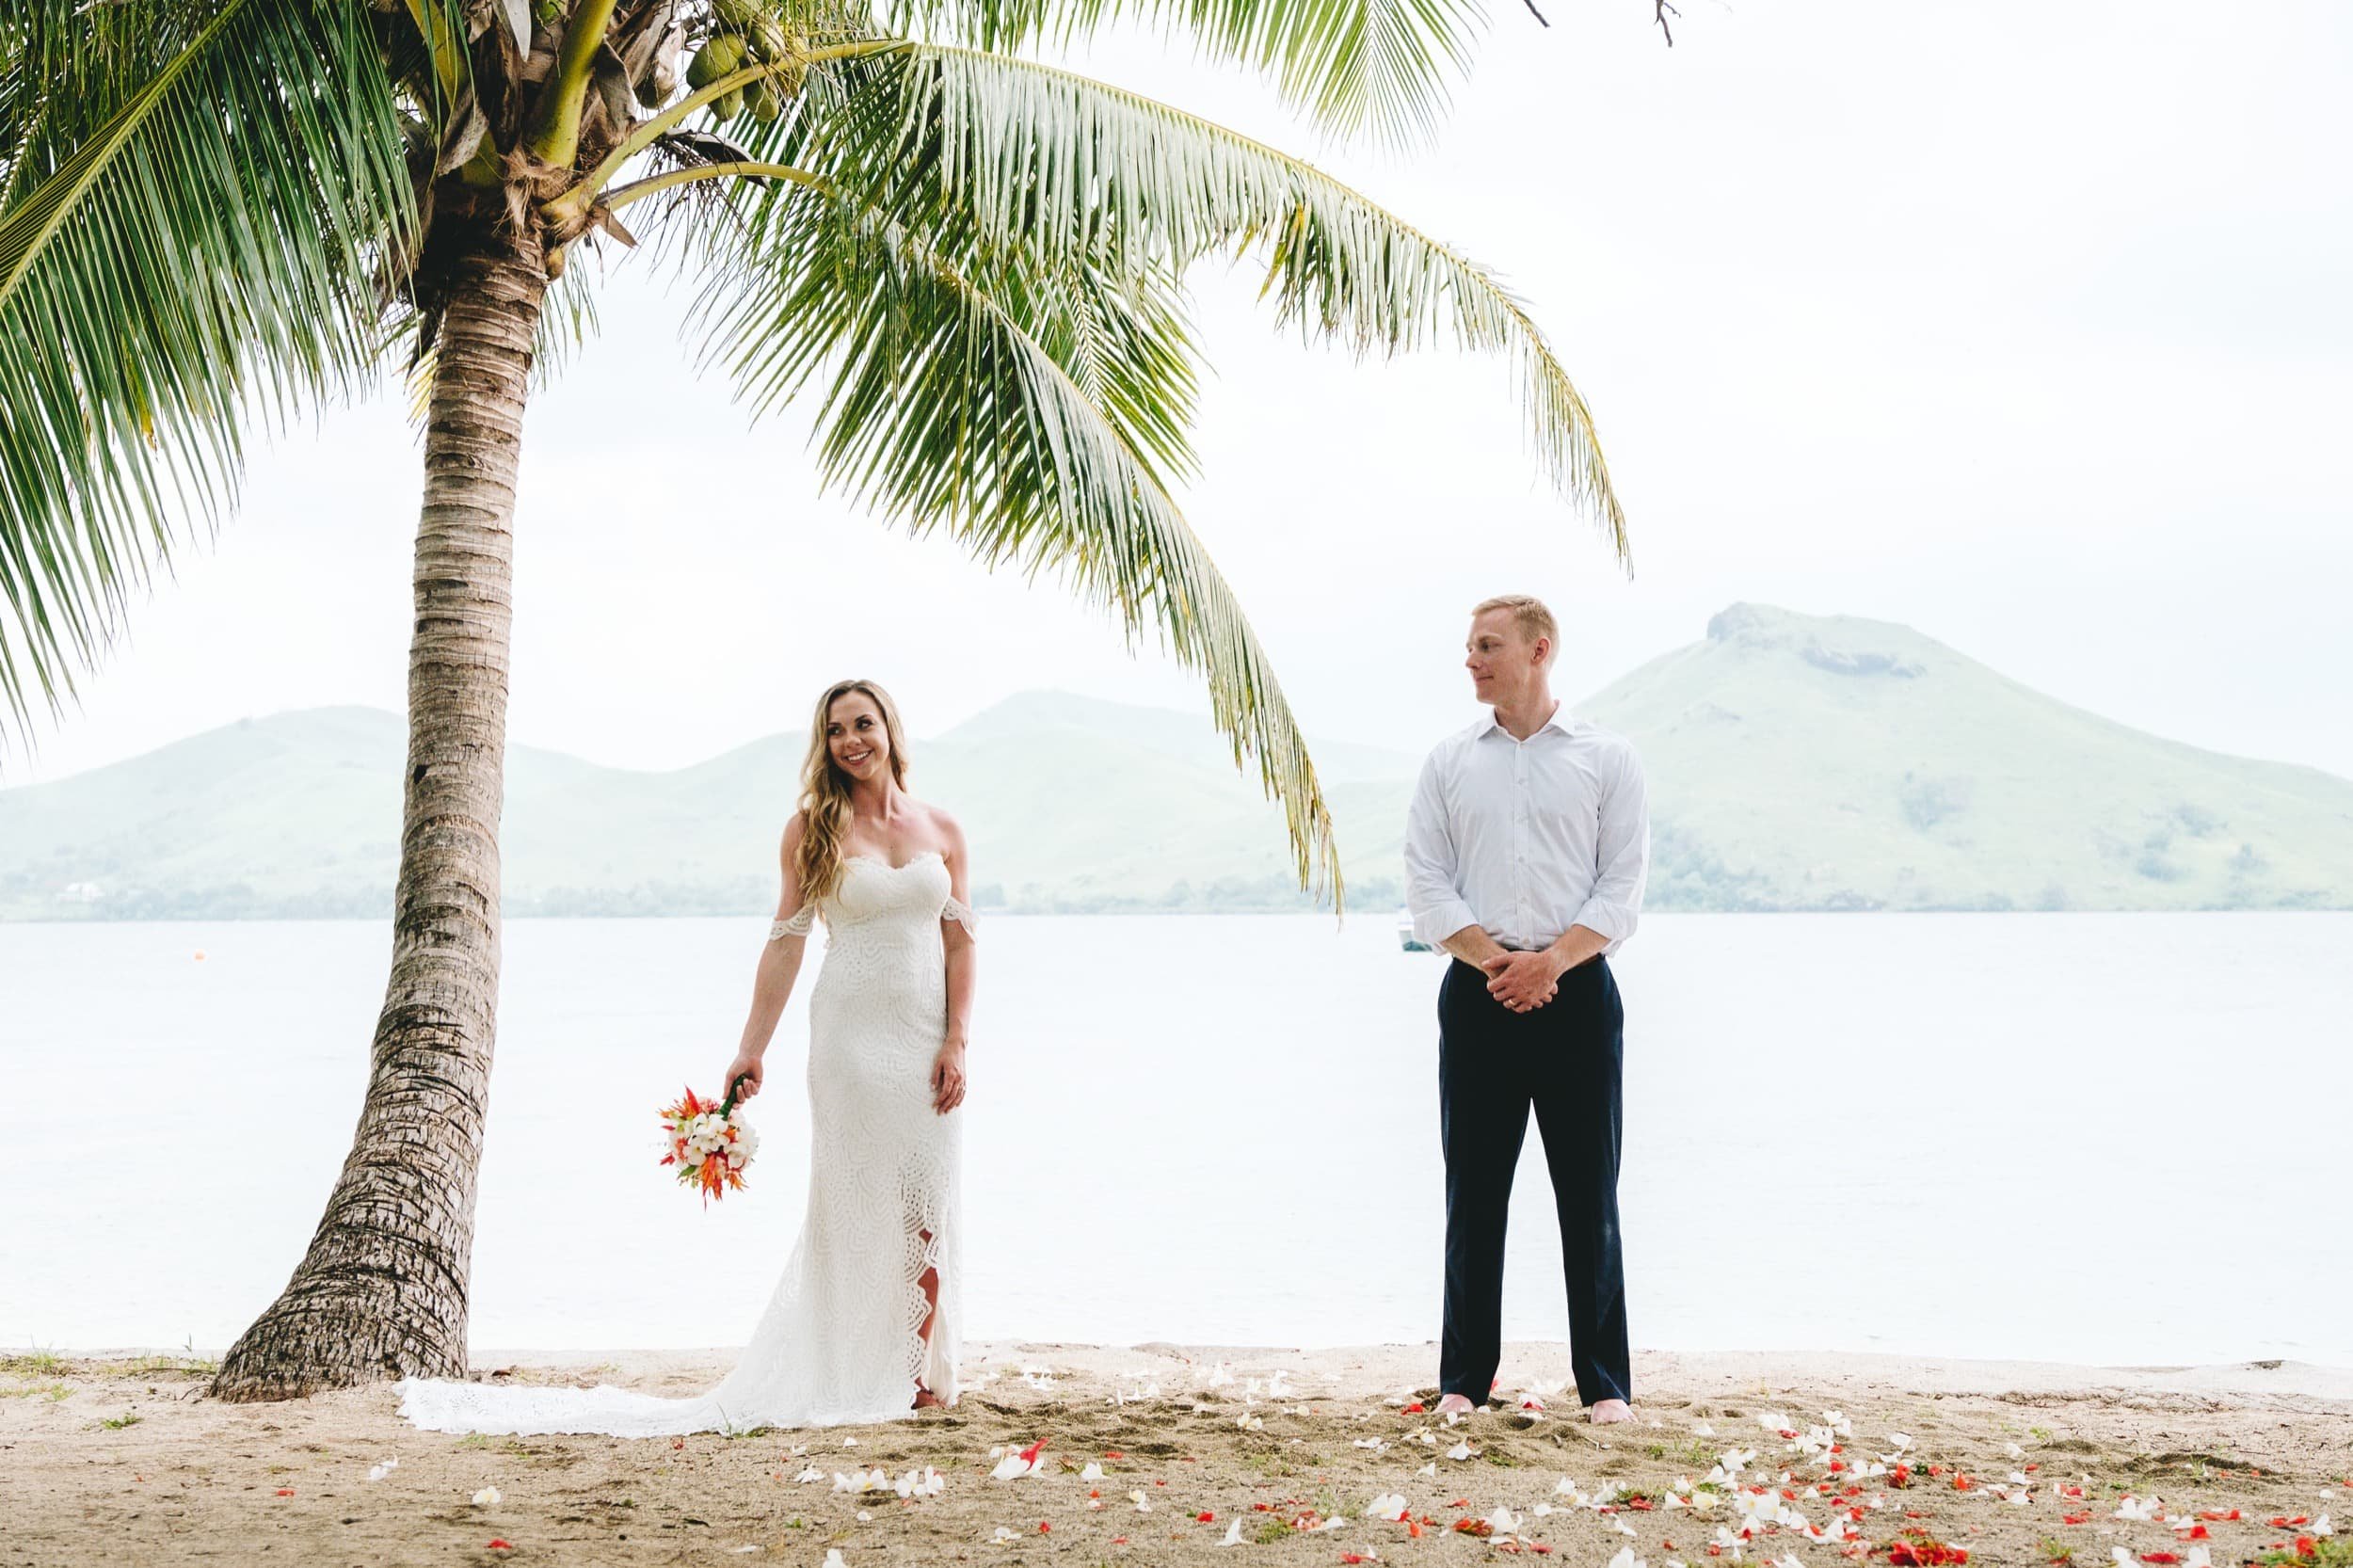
(382, 1291)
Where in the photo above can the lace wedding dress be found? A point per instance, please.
(842, 1340)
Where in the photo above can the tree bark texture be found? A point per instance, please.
(382, 1292)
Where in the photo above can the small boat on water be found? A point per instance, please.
(1405, 938)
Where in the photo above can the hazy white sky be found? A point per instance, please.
(2024, 325)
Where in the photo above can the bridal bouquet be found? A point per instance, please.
(710, 1144)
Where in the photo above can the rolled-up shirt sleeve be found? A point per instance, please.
(1622, 853)
(1433, 894)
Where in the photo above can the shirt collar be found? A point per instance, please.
(1563, 722)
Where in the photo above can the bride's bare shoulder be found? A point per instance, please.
(944, 828)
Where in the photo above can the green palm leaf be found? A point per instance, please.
(1021, 411)
(995, 154)
(187, 233)
(1383, 65)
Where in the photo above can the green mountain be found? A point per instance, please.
(1828, 763)
(1796, 762)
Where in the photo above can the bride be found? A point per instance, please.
(863, 1325)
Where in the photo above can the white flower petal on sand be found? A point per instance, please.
(1700, 1429)
(1503, 1524)
(833, 1559)
(809, 1474)
(1460, 1451)
(2135, 1508)
(1564, 1487)
(1143, 1504)
(1093, 1472)
(2321, 1526)
(926, 1483)
(378, 1472)
(486, 1498)
(1429, 1469)
(1250, 1423)
(1389, 1506)
(1002, 1536)
(1021, 1462)
(1625, 1559)
(1233, 1535)
(1373, 1444)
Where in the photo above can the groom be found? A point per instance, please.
(1525, 854)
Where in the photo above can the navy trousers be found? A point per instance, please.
(1562, 1061)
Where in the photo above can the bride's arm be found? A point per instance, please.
(779, 966)
(962, 964)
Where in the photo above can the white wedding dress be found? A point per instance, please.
(842, 1340)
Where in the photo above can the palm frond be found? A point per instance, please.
(187, 239)
(956, 401)
(1382, 65)
(1000, 156)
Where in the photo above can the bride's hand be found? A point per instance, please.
(948, 1078)
(746, 1067)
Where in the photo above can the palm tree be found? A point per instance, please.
(215, 213)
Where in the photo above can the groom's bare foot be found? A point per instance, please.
(926, 1399)
(1453, 1404)
(1608, 1412)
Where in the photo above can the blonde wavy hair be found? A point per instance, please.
(825, 790)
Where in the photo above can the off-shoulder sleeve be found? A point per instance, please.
(804, 921)
(957, 910)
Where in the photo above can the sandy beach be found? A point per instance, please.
(1179, 1455)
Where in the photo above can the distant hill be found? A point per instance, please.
(1796, 762)
(1828, 763)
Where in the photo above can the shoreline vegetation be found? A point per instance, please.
(1166, 1454)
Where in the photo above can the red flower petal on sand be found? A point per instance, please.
(2306, 1547)
(499, 1544)
(1206, 1517)
(1045, 1526)
(1114, 1453)
(2160, 1556)
(285, 1491)
(2074, 1518)
(1416, 1408)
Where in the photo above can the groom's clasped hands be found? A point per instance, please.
(1523, 982)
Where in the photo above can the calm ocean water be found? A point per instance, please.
(2077, 1137)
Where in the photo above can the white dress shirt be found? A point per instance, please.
(1528, 838)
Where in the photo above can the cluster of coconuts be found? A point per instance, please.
(746, 35)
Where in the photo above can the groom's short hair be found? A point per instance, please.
(1530, 614)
